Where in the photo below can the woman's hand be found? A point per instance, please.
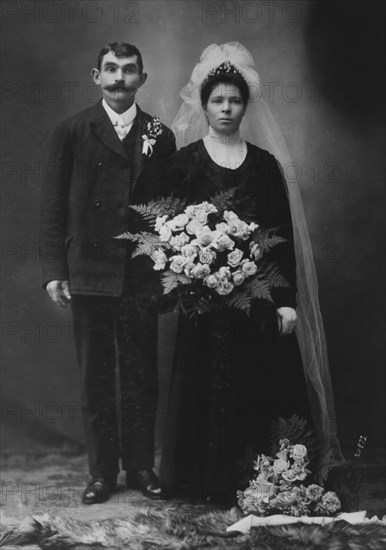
(59, 292)
(286, 319)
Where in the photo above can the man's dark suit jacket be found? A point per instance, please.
(90, 181)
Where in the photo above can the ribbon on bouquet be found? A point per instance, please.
(147, 145)
(245, 524)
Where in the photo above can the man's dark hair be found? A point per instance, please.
(211, 82)
(121, 49)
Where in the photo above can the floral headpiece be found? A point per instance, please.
(226, 68)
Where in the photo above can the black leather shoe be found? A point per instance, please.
(99, 490)
(148, 483)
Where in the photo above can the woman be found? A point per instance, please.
(233, 374)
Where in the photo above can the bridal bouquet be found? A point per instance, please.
(207, 254)
(277, 488)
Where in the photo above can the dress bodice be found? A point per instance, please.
(259, 194)
(221, 178)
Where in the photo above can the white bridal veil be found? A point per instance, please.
(260, 128)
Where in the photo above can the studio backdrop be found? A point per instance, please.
(322, 70)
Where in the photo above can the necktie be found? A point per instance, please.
(121, 128)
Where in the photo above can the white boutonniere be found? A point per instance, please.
(153, 130)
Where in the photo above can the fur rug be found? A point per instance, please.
(172, 529)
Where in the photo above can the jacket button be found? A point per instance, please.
(99, 163)
(97, 203)
(95, 245)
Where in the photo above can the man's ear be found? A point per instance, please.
(95, 76)
(143, 79)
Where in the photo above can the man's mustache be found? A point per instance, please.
(119, 86)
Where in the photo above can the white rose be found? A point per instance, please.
(261, 478)
(238, 229)
(205, 207)
(188, 269)
(223, 227)
(265, 490)
(159, 222)
(209, 208)
(229, 216)
(177, 263)
(206, 236)
(282, 454)
(189, 211)
(165, 233)
(224, 287)
(280, 466)
(235, 257)
(189, 251)
(211, 281)
(223, 242)
(289, 475)
(224, 273)
(201, 271)
(299, 452)
(201, 217)
(238, 278)
(207, 256)
(160, 259)
(256, 252)
(179, 222)
(193, 227)
(178, 241)
(248, 268)
(330, 502)
(252, 226)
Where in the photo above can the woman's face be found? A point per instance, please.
(225, 108)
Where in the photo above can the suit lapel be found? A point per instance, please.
(105, 131)
(138, 129)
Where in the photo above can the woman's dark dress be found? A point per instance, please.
(232, 374)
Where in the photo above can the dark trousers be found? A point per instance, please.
(107, 329)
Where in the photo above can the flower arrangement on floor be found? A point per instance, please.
(277, 487)
(207, 254)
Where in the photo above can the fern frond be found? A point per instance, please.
(146, 242)
(224, 199)
(143, 249)
(242, 301)
(267, 238)
(260, 289)
(150, 238)
(133, 237)
(171, 280)
(160, 207)
(272, 273)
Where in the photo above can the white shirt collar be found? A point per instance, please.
(127, 117)
(221, 138)
(226, 151)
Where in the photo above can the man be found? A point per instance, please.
(103, 159)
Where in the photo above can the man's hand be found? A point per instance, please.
(286, 319)
(59, 292)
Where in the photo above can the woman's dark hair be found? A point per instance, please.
(223, 78)
(121, 49)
